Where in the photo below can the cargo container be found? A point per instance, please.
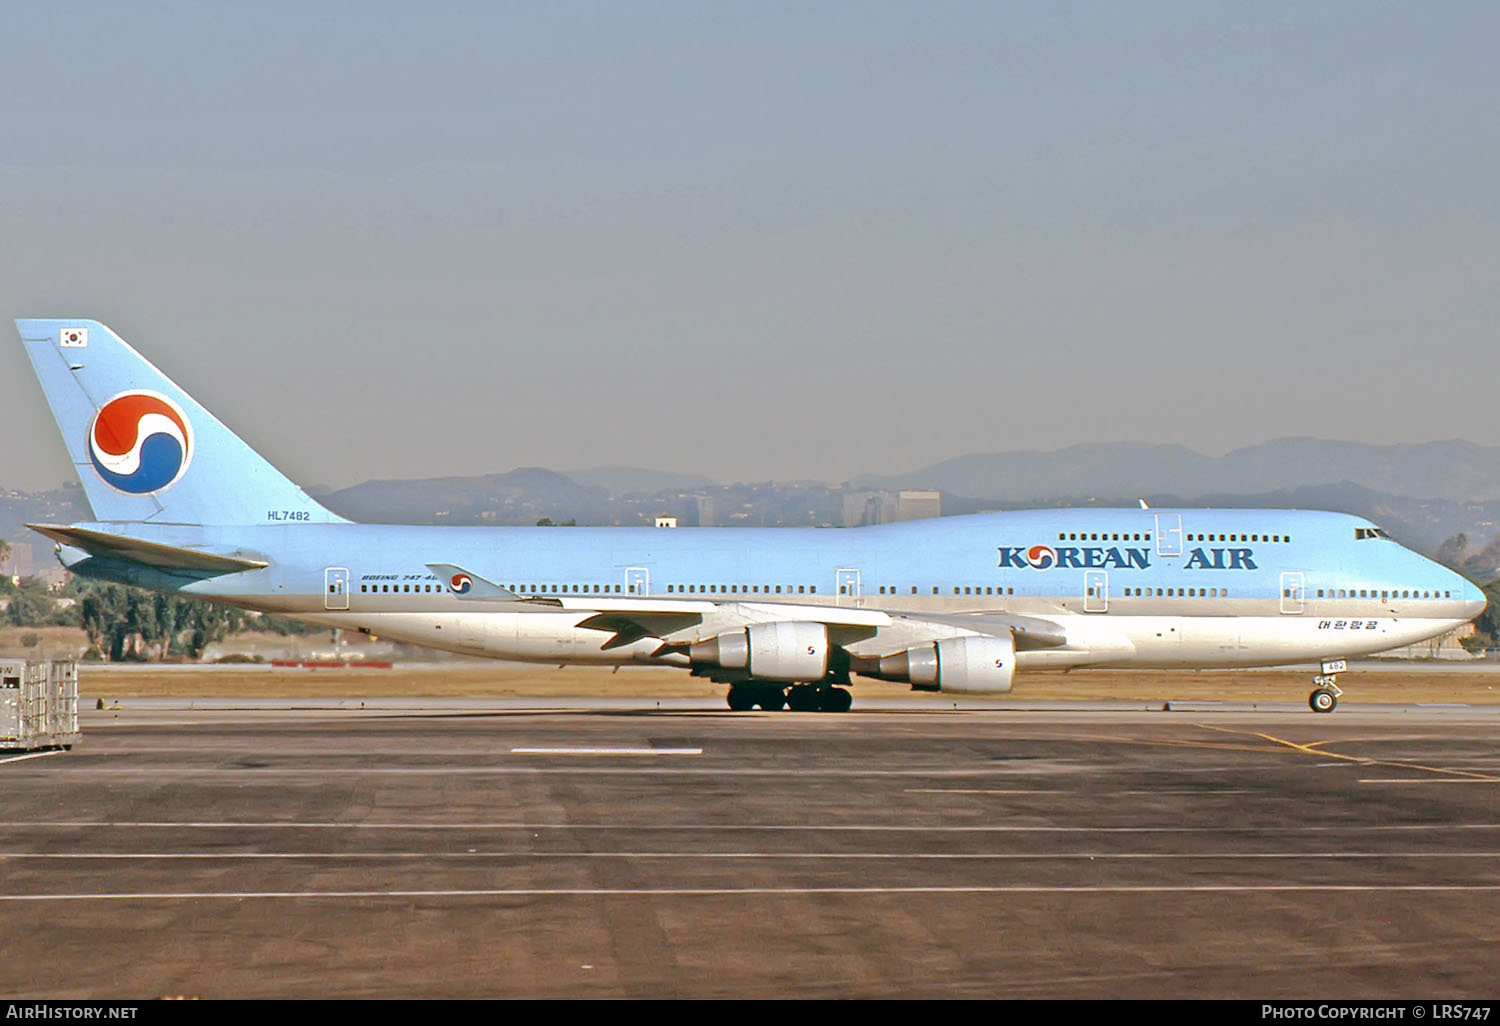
(38, 704)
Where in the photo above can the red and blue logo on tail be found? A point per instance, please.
(140, 442)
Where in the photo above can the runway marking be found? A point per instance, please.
(1430, 780)
(977, 790)
(1081, 794)
(750, 855)
(12, 825)
(606, 751)
(32, 755)
(1313, 749)
(668, 892)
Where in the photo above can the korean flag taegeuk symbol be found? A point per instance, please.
(140, 442)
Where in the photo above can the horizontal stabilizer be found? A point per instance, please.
(468, 585)
(165, 557)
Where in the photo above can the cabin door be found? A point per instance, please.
(1169, 534)
(1291, 592)
(336, 588)
(846, 587)
(1096, 591)
(637, 581)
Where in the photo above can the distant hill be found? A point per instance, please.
(524, 495)
(1457, 471)
(636, 481)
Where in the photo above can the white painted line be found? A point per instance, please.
(775, 855)
(978, 790)
(606, 751)
(1429, 780)
(33, 755)
(1193, 792)
(13, 825)
(668, 892)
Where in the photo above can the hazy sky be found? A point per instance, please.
(759, 240)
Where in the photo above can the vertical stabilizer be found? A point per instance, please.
(143, 448)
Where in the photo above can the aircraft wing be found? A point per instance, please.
(155, 554)
(1030, 632)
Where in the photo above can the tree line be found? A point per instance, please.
(125, 623)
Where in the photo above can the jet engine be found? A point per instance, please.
(959, 666)
(780, 650)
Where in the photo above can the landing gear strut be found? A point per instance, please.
(1326, 698)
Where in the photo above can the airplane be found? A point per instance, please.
(786, 617)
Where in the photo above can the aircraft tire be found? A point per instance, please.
(835, 700)
(802, 698)
(1323, 701)
(740, 699)
(772, 698)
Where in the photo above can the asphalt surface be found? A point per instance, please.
(507, 851)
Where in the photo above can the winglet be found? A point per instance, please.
(468, 585)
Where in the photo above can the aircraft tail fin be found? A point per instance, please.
(144, 449)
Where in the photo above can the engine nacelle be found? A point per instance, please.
(959, 666)
(781, 650)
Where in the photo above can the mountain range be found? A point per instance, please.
(1458, 471)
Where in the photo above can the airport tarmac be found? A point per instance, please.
(567, 848)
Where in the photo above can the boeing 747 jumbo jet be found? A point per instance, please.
(785, 617)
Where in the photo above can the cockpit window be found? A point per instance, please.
(1361, 533)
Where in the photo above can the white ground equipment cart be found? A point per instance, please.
(38, 704)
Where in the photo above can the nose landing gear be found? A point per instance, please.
(1326, 698)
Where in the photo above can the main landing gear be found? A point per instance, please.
(749, 694)
(1326, 698)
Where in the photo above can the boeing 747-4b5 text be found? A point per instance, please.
(785, 617)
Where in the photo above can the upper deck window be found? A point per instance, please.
(1361, 533)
